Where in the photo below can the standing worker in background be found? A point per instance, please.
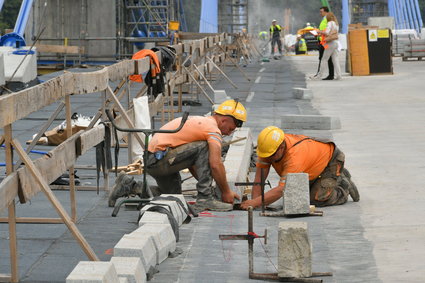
(301, 46)
(330, 182)
(275, 30)
(197, 146)
(323, 24)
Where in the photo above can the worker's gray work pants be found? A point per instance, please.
(276, 40)
(330, 52)
(166, 171)
(329, 188)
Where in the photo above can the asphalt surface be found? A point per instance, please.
(379, 239)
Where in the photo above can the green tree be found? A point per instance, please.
(8, 14)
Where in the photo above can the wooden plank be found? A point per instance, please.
(142, 65)
(5, 278)
(89, 82)
(50, 166)
(90, 138)
(359, 52)
(8, 190)
(121, 70)
(194, 35)
(34, 220)
(55, 202)
(45, 48)
(17, 105)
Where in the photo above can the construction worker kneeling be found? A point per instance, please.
(197, 146)
(330, 182)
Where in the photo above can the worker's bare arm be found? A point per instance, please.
(269, 197)
(219, 173)
(256, 190)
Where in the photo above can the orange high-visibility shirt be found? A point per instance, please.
(153, 60)
(308, 156)
(196, 128)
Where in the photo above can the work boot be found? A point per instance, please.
(352, 188)
(123, 188)
(211, 203)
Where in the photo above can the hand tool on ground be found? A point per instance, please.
(250, 236)
(146, 132)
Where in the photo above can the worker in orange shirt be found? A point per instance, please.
(330, 182)
(197, 146)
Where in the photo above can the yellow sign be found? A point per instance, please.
(373, 35)
(383, 33)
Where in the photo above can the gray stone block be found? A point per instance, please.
(130, 268)
(294, 250)
(179, 196)
(162, 236)
(296, 199)
(153, 217)
(141, 247)
(122, 280)
(302, 93)
(93, 272)
(310, 122)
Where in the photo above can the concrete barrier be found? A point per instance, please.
(294, 250)
(130, 268)
(141, 247)
(162, 236)
(312, 122)
(93, 272)
(296, 199)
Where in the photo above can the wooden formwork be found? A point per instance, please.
(24, 182)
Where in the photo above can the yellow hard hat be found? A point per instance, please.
(269, 141)
(233, 108)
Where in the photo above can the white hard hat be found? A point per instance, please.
(308, 24)
(274, 20)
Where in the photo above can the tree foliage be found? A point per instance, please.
(8, 14)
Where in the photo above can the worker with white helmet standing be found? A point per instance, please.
(275, 30)
(330, 182)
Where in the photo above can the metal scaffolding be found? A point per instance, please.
(233, 15)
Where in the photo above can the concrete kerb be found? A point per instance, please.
(238, 159)
(162, 236)
(141, 246)
(93, 272)
(310, 122)
(153, 217)
(130, 268)
(296, 199)
(302, 93)
(176, 210)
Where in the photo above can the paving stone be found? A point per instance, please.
(294, 250)
(162, 236)
(93, 272)
(312, 122)
(296, 199)
(122, 280)
(154, 217)
(130, 268)
(302, 93)
(141, 247)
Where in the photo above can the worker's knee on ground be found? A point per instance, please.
(322, 191)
